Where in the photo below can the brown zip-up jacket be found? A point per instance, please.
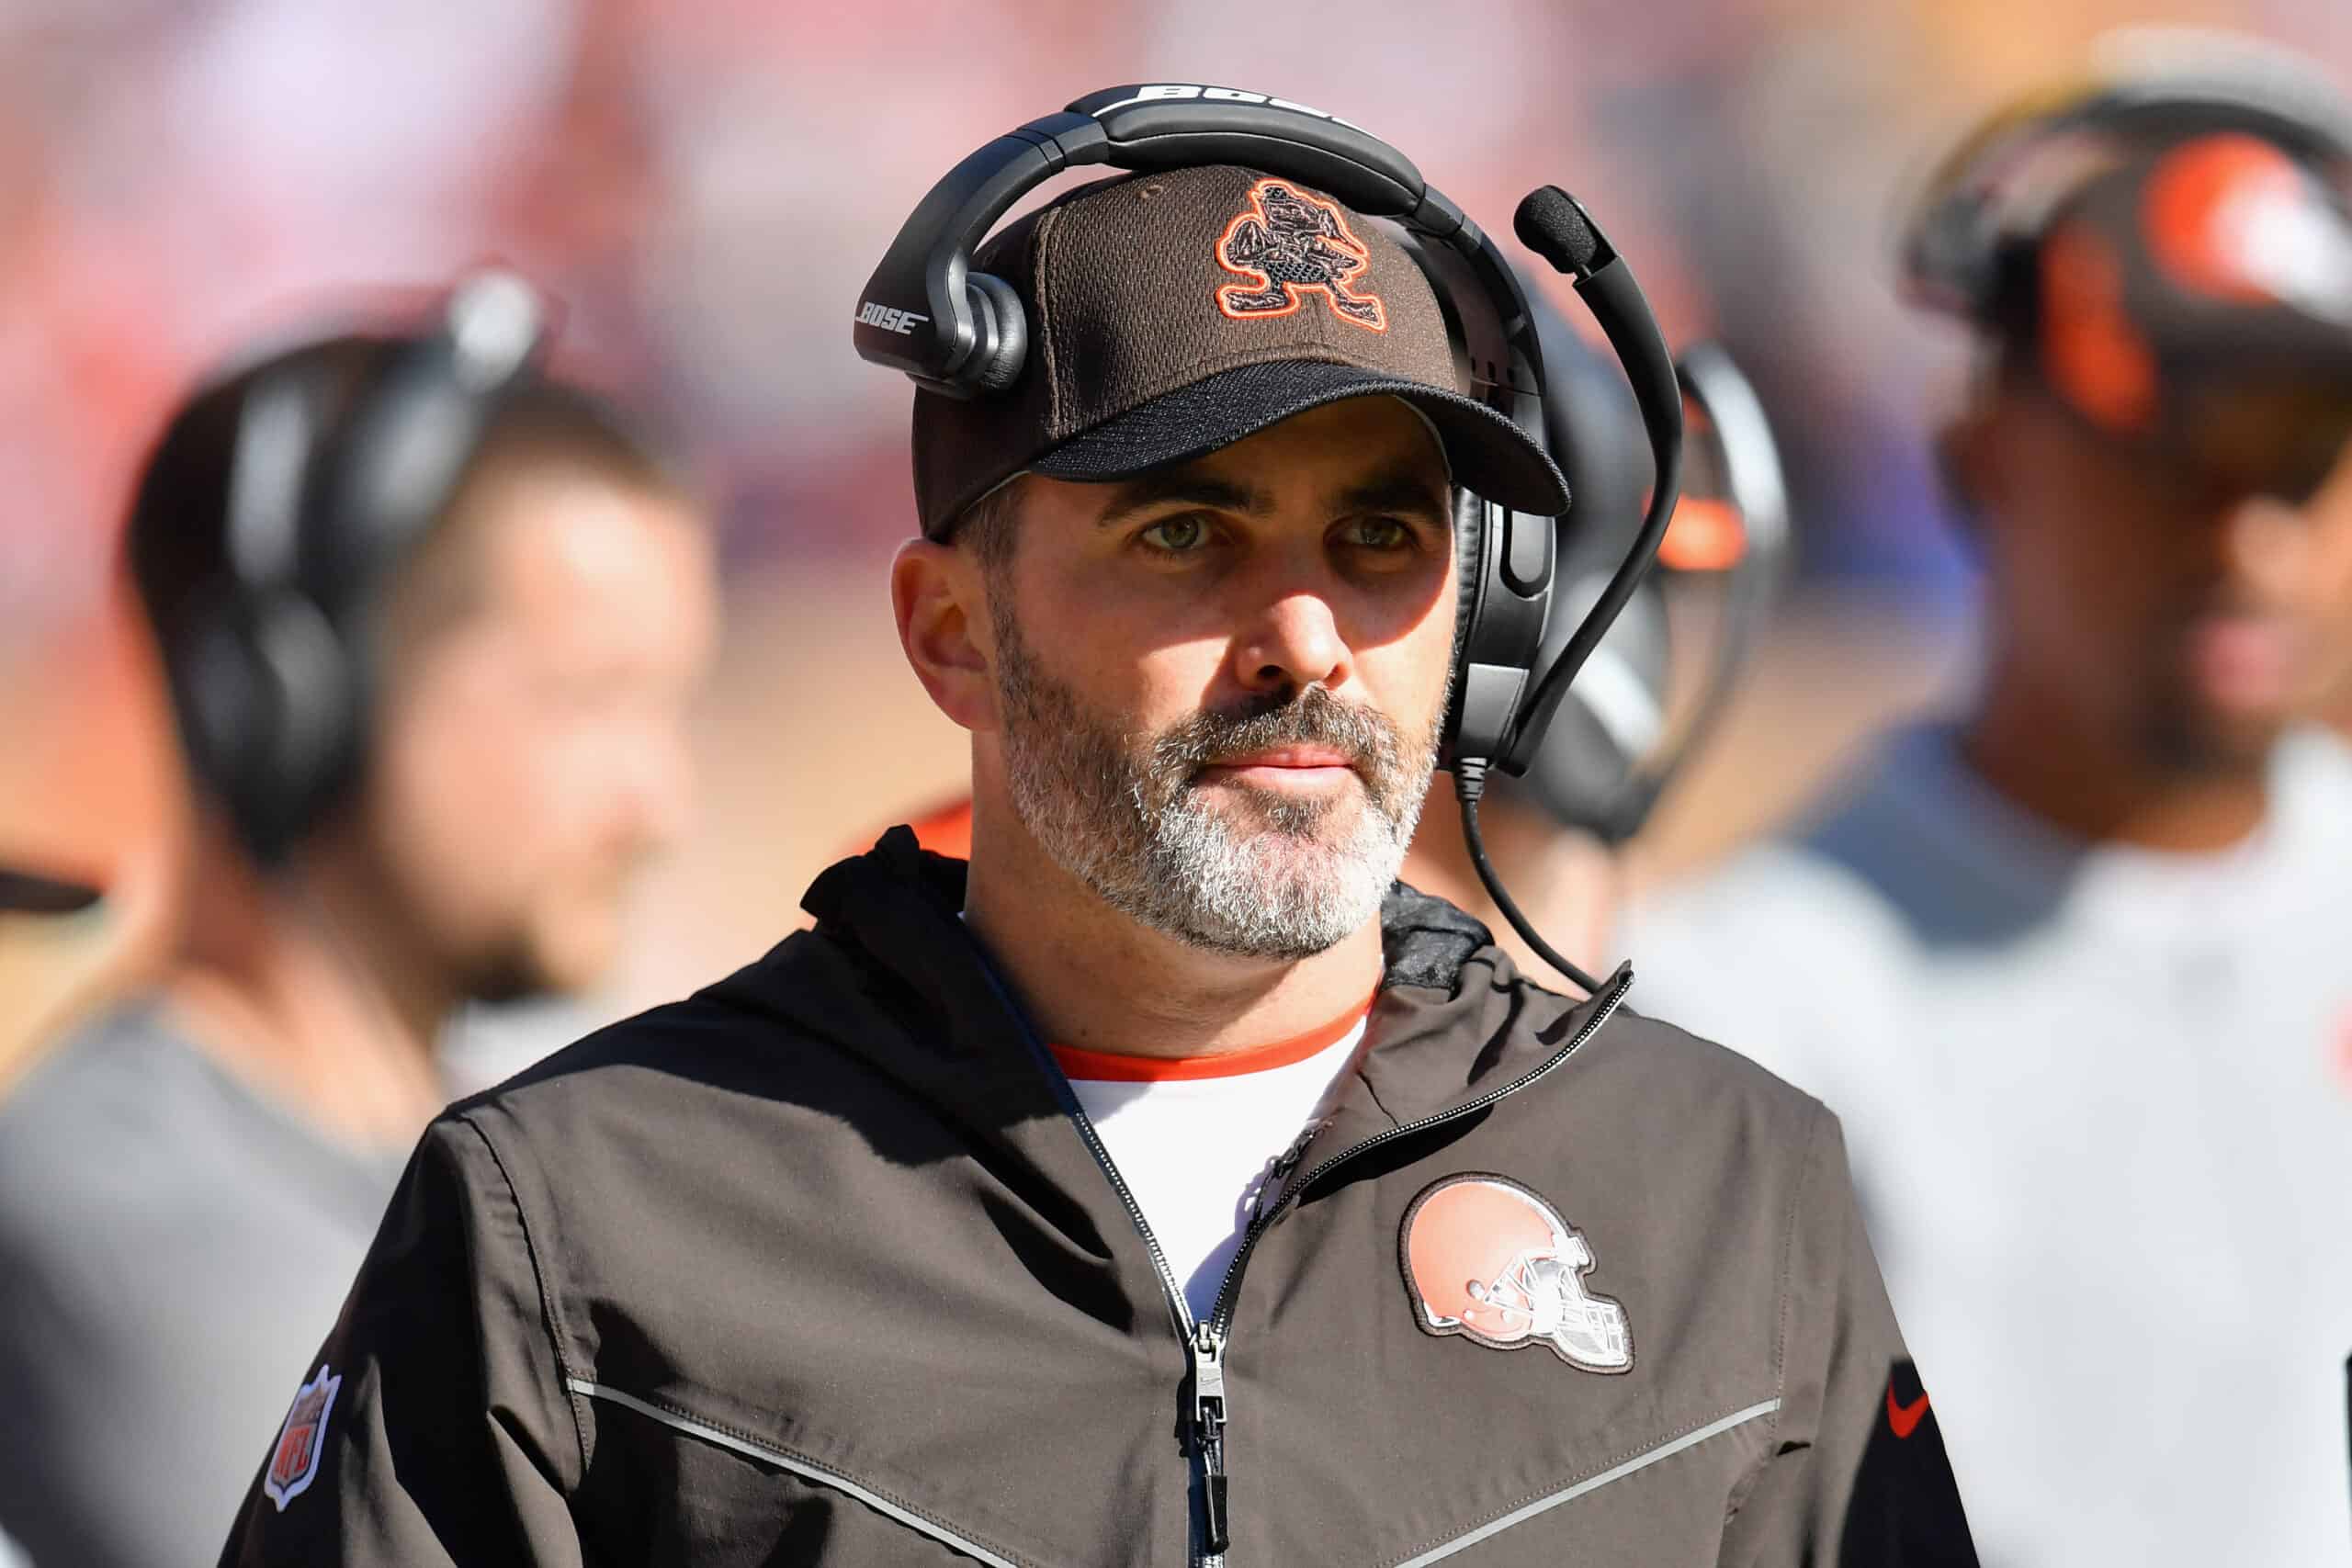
(822, 1266)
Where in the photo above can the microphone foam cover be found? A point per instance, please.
(1550, 223)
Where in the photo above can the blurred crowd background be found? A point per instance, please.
(704, 186)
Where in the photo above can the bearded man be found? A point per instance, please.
(1170, 1182)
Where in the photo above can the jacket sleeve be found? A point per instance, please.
(1860, 1478)
(434, 1426)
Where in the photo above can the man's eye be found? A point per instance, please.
(1177, 535)
(1379, 534)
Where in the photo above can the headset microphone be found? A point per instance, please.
(1556, 226)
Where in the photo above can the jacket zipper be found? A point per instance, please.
(1212, 1337)
(1204, 1358)
(1203, 1412)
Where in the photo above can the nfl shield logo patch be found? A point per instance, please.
(294, 1464)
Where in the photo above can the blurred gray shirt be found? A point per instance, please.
(173, 1247)
(2099, 1105)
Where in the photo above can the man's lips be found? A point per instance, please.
(1284, 766)
(1290, 757)
(2242, 660)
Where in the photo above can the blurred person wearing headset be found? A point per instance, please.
(25, 891)
(429, 618)
(2073, 967)
(1162, 1182)
(1647, 701)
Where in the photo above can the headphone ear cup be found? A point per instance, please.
(1499, 632)
(1588, 773)
(1469, 557)
(1469, 546)
(313, 737)
(1003, 329)
(263, 696)
(1942, 261)
(224, 698)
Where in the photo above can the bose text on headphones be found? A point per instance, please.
(273, 674)
(961, 333)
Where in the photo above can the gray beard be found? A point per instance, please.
(1122, 810)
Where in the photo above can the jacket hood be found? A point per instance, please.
(1441, 1028)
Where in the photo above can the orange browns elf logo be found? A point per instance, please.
(1289, 243)
(1485, 1259)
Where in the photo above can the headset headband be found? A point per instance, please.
(916, 314)
(1997, 184)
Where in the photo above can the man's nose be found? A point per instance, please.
(1293, 643)
(2264, 540)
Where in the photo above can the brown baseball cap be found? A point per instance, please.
(1171, 314)
(2220, 256)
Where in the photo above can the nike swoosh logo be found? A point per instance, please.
(1905, 1419)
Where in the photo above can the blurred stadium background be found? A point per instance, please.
(706, 182)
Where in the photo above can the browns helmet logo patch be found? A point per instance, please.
(294, 1462)
(1487, 1259)
(1289, 243)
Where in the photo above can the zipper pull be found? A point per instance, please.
(1208, 1433)
(1278, 1175)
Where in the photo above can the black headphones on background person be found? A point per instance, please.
(1971, 234)
(961, 333)
(273, 675)
(1616, 745)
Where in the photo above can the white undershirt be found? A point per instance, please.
(1194, 1143)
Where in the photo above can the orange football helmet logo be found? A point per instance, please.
(1487, 1259)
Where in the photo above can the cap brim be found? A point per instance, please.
(1487, 453)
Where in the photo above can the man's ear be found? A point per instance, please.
(941, 605)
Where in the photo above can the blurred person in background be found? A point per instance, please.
(30, 892)
(976, 1221)
(2072, 966)
(429, 620)
(1648, 699)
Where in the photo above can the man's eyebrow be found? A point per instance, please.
(1400, 490)
(1188, 487)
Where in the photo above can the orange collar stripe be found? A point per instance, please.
(1107, 1066)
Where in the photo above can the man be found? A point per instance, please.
(188, 1187)
(33, 893)
(1606, 758)
(1163, 1182)
(2072, 966)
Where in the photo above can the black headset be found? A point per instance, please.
(1979, 214)
(272, 676)
(1612, 750)
(961, 333)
